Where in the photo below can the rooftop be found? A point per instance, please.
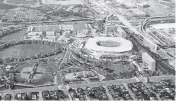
(164, 26)
(123, 44)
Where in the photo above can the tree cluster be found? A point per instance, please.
(10, 29)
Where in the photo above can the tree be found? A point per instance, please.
(1, 61)
(11, 59)
(7, 60)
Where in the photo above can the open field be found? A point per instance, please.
(17, 36)
(61, 2)
(6, 6)
(25, 50)
(45, 71)
(17, 2)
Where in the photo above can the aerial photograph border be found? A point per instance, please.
(75, 50)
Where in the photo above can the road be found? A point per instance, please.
(65, 57)
(91, 84)
(60, 64)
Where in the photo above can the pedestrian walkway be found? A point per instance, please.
(137, 79)
(162, 77)
(107, 92)
(130, 92)
(40, 96)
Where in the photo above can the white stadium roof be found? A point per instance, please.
(124, 45)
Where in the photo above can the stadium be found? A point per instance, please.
(107, 48)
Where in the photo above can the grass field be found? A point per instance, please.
(63, 2)
(39, 79)
(25, 50)
(6, 6)
(17, 36)
(16, 2)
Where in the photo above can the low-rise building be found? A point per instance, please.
(34, 36)
(67, 27)
(150, 44)
(138, 12)
(34, 33)
(149, 61)
(49, 38)
(83, 75)
(50, 33)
